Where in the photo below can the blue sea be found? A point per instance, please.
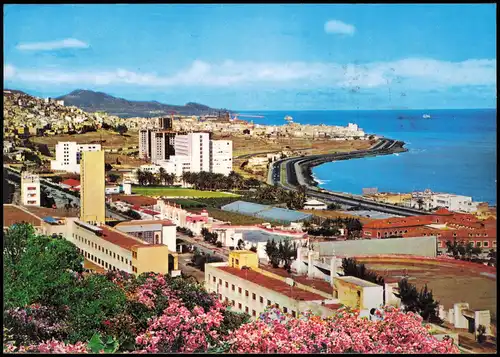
(454, 151)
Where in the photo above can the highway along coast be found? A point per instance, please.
(290, 173)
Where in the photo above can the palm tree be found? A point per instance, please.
(162, 175)
(141, 176)
(420, 203)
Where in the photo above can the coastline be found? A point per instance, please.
(307, 165)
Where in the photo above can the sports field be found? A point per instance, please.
(177, 192)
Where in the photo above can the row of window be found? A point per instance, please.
(96, 260)
(254, 313)
(102, 249)
(484, 244)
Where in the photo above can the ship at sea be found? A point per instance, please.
(426, 116)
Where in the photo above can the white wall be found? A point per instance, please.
(68, 155)
(169, 237)
(221, 156)
(30, 189)
(197, 147)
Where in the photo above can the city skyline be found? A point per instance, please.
(258, 57)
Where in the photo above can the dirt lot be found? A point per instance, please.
(112, 139)
(449, 284)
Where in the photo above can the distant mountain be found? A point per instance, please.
(15, 91)
(91, 101)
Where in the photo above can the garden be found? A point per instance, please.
(52, 306)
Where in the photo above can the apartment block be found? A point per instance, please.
(221, 156)
(69, 154)
(196, 146)
(30, 189)
(92, 190)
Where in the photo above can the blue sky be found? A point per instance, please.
(258, 57)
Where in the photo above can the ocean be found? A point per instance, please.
(454, 151)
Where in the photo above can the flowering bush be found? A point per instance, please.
(50, 346)
(397, 332)
(36, 323)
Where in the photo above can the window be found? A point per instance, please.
(233, 303)
(220, 296)
(261, 300)
(114, 255)
(220, 281)
(239, 306)
(246, 309)
(478, 244)
(294, 314)
(232, 287)
(215, 279)
(122, 259)
(239, 290)
(285, 310)
(227, 284)
(246, 293)
(268, 302)
(254, 313)
(237, 262)
(486, 244)
(254, 297)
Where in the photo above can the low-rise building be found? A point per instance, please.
(249, 289)
(315, 205)
(69, 154)
(30, 189)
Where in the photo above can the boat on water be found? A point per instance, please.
(426, 116)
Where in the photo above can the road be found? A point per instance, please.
(204, 247)
(288, 174)
(62, 197)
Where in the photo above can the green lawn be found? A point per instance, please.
(177, 192)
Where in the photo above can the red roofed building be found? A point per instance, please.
(443, 224)
(250, 289)
(71, 184)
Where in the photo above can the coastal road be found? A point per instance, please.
(289, 174)
(62, 197)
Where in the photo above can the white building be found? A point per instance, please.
(151, 231)
(176, 165)
(455, 203)
(30, 189)
(69, 154)
(197, 147)
(221, 156)
(315, 204)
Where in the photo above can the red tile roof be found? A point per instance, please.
(272, 284)
(150, 212)
(14, 214)
(443, 212)
(135, 199)
(138, 222)
(120, 239)
(71, 182)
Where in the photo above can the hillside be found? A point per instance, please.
(91, 101)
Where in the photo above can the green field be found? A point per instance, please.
(177, 192)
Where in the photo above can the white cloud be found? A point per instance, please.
(411, 73)
(8, 71)
(339, 27)
(52, 45)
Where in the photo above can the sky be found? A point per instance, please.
(258, 57)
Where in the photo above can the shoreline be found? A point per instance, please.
(307, 165)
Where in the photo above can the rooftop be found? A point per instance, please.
(357, 281)
(15, 214)
(138, 222)
(58, 212)
(71, 182)
(272, 284)
(135, 200)
(120, 239)
(314, 283)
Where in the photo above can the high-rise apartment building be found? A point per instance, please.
(92, 190)
(157, 143)
(197, 147)
(69, 154)
(30, 189)
(221, 156)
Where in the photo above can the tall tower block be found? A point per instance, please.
(92, 190)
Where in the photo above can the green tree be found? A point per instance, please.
(428, 308)
(15, 241)
(409, 296)
(121, 129)
(273, 253)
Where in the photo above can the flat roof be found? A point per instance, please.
(315, 283)
(58, 212)
(139, 222)
(13, 214)
(357, 281)
(272, 284)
